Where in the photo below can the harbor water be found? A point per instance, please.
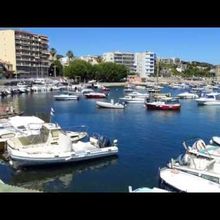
(146, 140)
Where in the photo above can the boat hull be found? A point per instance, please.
(88, 96)
(60, 98)
(22, 161)
(183, 182)
(175, 107)
(109, 105)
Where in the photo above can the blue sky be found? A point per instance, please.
(201, 44)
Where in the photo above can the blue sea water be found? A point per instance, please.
(147, 140)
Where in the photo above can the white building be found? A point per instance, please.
(125, 58)
(64, 61)
(145, 63)
(90, 59)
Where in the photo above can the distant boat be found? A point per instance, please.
(95, 95)
(66, 96)
(111, 105)
(209, 99)
(163, 105)
(133, 100)
(187, 95)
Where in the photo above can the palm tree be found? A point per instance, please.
(53, 52)
(70, 55)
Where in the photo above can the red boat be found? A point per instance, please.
(163, 105)
(95, 95)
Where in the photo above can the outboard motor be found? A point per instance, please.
(104, 142)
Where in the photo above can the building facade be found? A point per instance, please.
(89, 59)
(27, 52)
(170, 60)
(145, 63)
(124, 58)
(217, 71)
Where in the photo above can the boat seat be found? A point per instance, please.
(82, 146)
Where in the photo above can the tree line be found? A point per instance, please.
(76, 68)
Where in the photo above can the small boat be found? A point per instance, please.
(86, 90)
(111, 105)
(209, 99)
(53, 146)
(187, 95)
(138, 94)
(133, 100)
(163, 105)
(95, 95)
(180, 181)
(146, 190)
(66, 96)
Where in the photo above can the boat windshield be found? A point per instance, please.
(210, 96)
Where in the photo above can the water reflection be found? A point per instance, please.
(57, 178)
(212, 112)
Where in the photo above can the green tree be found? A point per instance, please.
(56, 68)
(78, 68)
(106, 72)
(70, 55)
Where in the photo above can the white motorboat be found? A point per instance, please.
(86, 90)
(133, 100)
(138, 94)
(53, 146)
(146, 190)
(111, 105)
(95, 95)
(187, 95)
(66, 96)
(201, 166)
(209, 99)
(180, 181)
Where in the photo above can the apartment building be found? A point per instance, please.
(145, 63)
(27, 52)
(90, 59)
(124, 58)
(173, 60)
